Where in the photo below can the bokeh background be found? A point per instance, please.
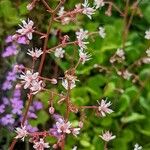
(130, 121)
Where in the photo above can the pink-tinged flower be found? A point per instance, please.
(26, 29)
(82, 44)
(40, 145)
(61, 12)
(99, 3)
(120, 53)
(36, 86)
(102, 32)
(147, 34)
(59, 52)
(21, 133)
(84, 56)
(89, 11)
(107, 136)
(74, 148)
(126, 74)
(148, 52)
(75, 131)
(30, 6)
(63, 127)
(146, 60)
(137, 147)
(28, 77)
(81, 34)
(103, 108)
(35, 53)
(65, 84)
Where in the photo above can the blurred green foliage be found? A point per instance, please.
(130, 121)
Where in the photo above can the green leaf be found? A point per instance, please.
(133, 117)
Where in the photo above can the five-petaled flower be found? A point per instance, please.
(103, 108)
(40, 145)
(102, 32)
(107, 136)
(147, 34)
(26, 29)
(63, 127)
(84, 56)
(99, 3)
(59, 52)
(21, 133)
(68, 84)
(89, 11)
(137, 147)
(35, 53)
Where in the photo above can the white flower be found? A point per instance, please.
(21, 133)
(36, 86)
(81, 34)
(59, 52)
(40, 145)
(104, 108)
(137, 147)
(82, 44)
(74, 148)
(61, 12)
(126, 74)
(28, 77)
(99, 3)
(84, 56)
(35, 53)
(63, 127)
(65, 84)
(102, 32)
(26, 29)
(146, 60)
(120, 53)
(107, 136)
(147, 34)
(75, 131)
(148, 52)
(89, 11)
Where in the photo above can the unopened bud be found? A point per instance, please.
(51, 110)
(80, 124)
(53, 81)
(30, 6)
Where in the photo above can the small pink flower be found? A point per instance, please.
(104, 108)
(26, 29)
(75, 131)
(35, 53)
(21, 133)
(81, 34)
(66, 85)
(84, 56)
(36, 86)
(59, 52)
(40, 145)
(89, 11)
(99, 3)
(28, 77)
(107, 136)
(63, 127)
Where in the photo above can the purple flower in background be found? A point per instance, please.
(10, 50)
(37, 105)
(7, 119)
(2, 108)
(6, 85)
(5, 101)
(8, 39)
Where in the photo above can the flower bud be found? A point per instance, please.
(80, 124)
(53, 81)
(51, 110)
(30, 6)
